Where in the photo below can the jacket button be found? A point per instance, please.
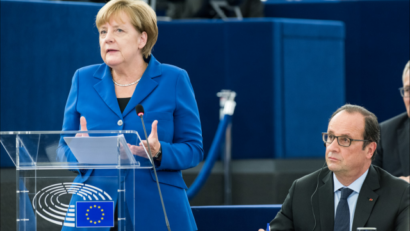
(119, 122)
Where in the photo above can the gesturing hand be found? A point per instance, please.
(153, 139)
(83, 125)
(137, 150)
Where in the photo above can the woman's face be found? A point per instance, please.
(120, 42)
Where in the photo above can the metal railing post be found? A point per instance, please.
(227, 102)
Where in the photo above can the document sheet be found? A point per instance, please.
(100, 149)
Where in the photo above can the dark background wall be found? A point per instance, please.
(40, 51)
(280, 69)
(377, 47)
(38, 61)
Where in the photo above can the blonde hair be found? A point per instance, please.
(142, 17)
(406, 70)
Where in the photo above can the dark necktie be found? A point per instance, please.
(342, 220)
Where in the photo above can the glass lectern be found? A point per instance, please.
(98, 197)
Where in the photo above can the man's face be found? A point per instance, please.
(406, 85)
(352, 160)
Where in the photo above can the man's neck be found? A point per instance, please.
(348, 178)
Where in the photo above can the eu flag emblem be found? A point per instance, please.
(95, 214)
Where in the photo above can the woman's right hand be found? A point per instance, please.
(83, 126)
(138, 150)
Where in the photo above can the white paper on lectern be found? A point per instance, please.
(98, 150)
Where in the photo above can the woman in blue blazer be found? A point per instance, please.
(104, 96)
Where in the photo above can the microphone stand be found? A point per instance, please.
(155, 172)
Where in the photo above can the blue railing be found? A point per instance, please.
(212, 157)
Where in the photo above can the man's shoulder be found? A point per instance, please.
(395, 121)
(389, 181)
(313, 177)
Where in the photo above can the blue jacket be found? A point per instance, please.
(167, 95)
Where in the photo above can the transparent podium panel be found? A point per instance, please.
(75, 180)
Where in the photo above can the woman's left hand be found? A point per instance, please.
(153, 140)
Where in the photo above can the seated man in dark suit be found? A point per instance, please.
(394, 149)
(349, 192)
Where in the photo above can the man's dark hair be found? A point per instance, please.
(371, 125)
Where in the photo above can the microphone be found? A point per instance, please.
(140, 112)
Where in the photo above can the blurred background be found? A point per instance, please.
(291, 64)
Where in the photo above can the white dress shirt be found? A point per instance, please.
(352, 199)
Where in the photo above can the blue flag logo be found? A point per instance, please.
(95, 214)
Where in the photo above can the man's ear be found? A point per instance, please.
(371, 150)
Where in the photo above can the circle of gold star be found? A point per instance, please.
(102, 213)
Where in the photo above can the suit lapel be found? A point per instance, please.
(326, 202)
(403, 144)
(146, 85)
(367, 199)
(105, 88)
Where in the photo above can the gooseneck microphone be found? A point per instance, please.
(140, 112)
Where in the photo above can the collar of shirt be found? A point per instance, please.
(355, 186)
